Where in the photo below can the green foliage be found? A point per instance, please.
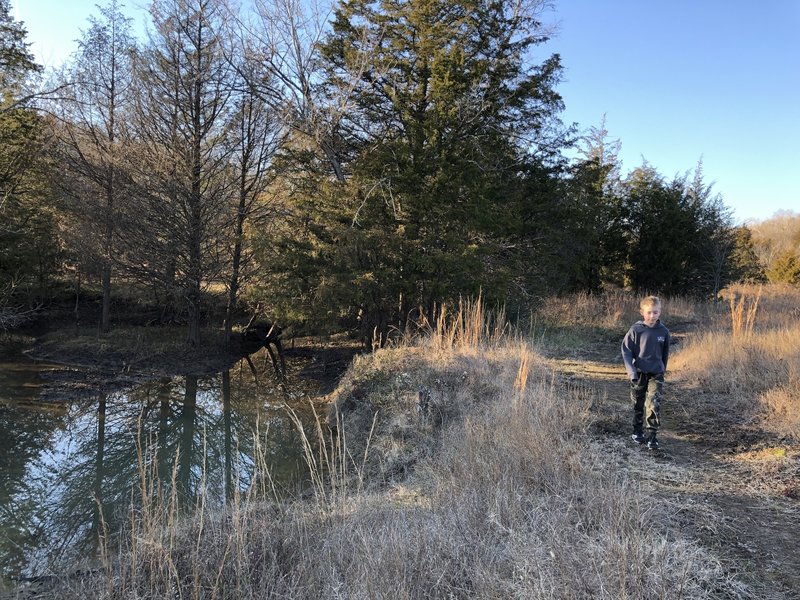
(447, 115)
(596, 215)
(785, 269)
(420, 162)
(679, 235)
(745, 265)
(29, 248)
(16, 61)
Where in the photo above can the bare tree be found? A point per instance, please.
(777, 236)
(255, 135)
(282, 48)
(182, 163)
(92, 132)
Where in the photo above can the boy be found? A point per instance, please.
(645, 350)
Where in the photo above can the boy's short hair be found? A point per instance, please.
(649, 301)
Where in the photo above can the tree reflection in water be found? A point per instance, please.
(72, 477)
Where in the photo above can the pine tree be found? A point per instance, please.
(447, 112)
(29, 247)
(745, 264)
(595, 213)
(785, 269)
(16, 61)
(660, 233)
(680, 238)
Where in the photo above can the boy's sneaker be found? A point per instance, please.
(638, 437)
(652, 443)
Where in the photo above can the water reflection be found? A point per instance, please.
(67, 472)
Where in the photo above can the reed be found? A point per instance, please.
(331, 465)
(743, 314)
(467, 326)
(523, 372)
(778, 304)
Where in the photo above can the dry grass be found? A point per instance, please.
(782, 407)
(743, 315)
(614, 309)
(494, 492)
(744, 365)
(770, 306)
(755, 359)
(610, 309)
(578, 324)
(470, 327)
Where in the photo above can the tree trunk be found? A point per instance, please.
(233, 288)
(105, 318)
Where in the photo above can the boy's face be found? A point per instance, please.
(650, 314)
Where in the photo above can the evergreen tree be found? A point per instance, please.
(16, 61)
(595, 219)
(660, 230)
(744, 259)
(785, 269)
(447, 114)
(680, 238)
(711, 266)
(29, 247)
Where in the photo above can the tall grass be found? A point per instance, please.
(468, 327)
(778, 305)
(754, 359)
(498, 494)
(610, 309)
(757, 350)
(781, 406)
(613, 309)
(336, 474)
(743, 314)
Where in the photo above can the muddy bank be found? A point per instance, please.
(87, 366)
(82, 371)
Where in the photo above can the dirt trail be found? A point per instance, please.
(736, 485)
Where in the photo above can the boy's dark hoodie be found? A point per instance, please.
(646, 349)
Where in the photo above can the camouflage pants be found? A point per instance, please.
(646, 394)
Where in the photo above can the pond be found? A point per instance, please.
(68, 469)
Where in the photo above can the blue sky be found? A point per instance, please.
(684, 80)
(677, 81)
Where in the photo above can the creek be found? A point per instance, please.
(71, 468)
